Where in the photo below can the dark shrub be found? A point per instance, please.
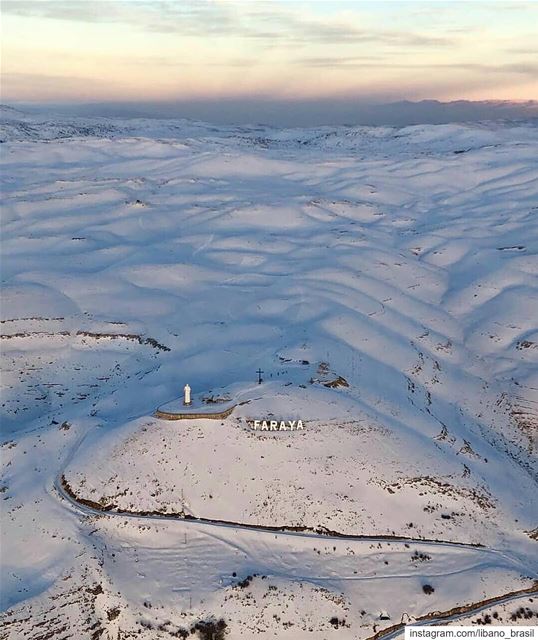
(210, 629)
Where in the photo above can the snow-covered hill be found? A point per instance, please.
(383, 279)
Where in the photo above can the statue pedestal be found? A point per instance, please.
(212, 403)
(178, 410)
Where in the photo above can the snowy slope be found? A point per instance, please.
(142, 254)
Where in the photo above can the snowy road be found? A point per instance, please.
(467, 561)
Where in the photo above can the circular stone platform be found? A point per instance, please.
(176, 410)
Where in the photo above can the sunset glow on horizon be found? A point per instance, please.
(129, 50)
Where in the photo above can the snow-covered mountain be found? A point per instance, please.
(384, 281)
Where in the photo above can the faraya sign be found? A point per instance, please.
(276, 425)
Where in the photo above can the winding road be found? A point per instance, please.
(84, 507)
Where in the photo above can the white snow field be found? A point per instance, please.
(385, 282)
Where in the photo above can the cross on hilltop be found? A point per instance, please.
(260, 379)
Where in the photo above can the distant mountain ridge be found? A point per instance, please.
(304, 112)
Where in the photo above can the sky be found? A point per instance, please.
(148, 50)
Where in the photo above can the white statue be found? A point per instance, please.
(187, 397)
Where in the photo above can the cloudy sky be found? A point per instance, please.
(132, 50)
